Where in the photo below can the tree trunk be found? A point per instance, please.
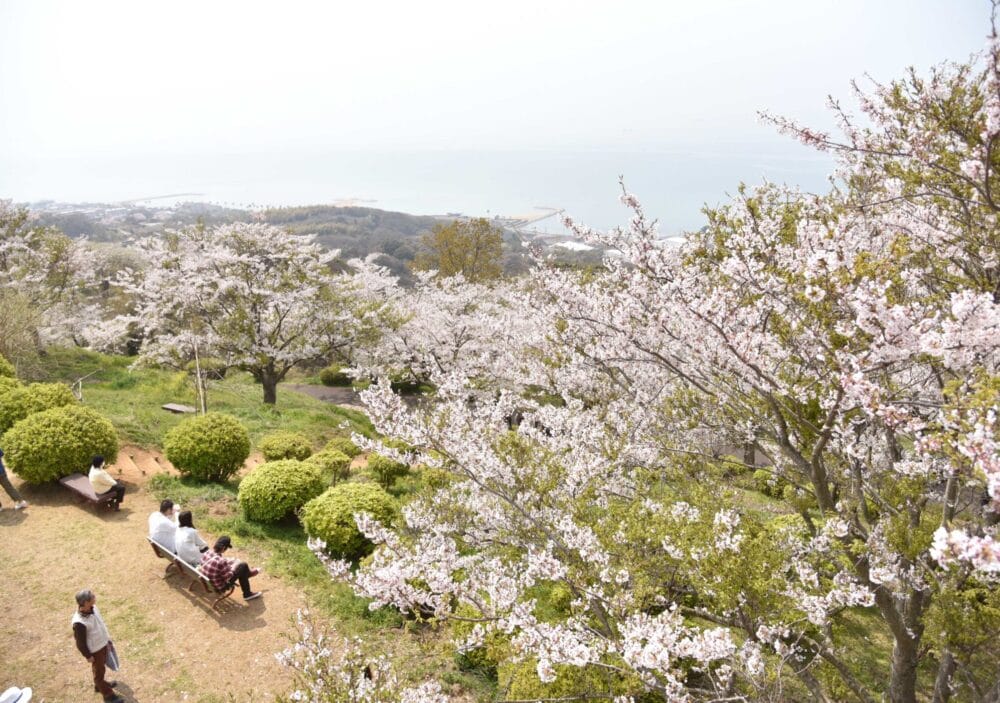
(942, 686)
(268, 377)
(270, 383)
(903, 683)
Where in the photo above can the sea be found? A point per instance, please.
(672, 184)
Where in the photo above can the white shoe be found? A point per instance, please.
(21, 505)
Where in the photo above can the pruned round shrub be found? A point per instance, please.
(58, 442)
(285, 445)
(21, 401)
(209, 447)
(519, 680)
(333, 465)
(7, 384)
(436, 477)
(333, 375)
(344, 445)
(6, 368)
(768, 483)
(330, 517)
(386, 470)
(277, 489)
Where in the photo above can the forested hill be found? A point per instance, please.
(356, 231)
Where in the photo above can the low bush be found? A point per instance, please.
(330, 517)
(386, 470)
(519, 681)
(768, 483)
(333, 375)
(333, 465)
(6, 368)
(48, 445)
(435, 477)
(7, 384)
(344, 445)
(285, 445)
(485, 658)
(210, 447)
(276, 489)
(21, 401)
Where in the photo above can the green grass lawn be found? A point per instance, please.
(132, 399)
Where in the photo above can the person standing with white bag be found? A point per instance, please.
(94, 643)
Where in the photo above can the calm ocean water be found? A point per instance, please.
(673, 185)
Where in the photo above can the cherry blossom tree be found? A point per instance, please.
(252, 295)
(56, 276)
(851, 338)
(444, 325)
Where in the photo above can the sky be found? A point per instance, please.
(126, 80)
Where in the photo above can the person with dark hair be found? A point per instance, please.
(223, 572)
(94, 643)
(189, 543)
(104, 483)
(163, 524)
(19, 502)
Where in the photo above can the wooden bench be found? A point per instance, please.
(191, 572)
(80, 484)
(164, 553)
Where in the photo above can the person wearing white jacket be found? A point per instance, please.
(163, 524)
(189, 543)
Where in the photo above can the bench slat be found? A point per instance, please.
(80, 484)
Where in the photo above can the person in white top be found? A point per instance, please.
(163, 524)
(102, 482)
(189, 543)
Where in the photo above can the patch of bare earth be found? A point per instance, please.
(173, 646)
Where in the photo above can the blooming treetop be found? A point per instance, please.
(251, 294)
(852, 338)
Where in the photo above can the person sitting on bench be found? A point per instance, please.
(104, 484)
(223, 572)
(189, 543)
(163, 524)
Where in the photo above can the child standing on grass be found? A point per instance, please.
(19, 502)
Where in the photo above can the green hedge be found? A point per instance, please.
(7, 384)
(20, 402)
(54, 443)
(386, 470)
(330, 517)
(285, 445)
(519, 680)
(210, 447)
(277, 489)
(332, 375)
(334, 466)
(6, 368)
(344, 445)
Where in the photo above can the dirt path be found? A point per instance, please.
(173, 646)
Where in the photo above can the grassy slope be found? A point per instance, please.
(132, 399)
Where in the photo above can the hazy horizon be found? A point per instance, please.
(115, 101)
